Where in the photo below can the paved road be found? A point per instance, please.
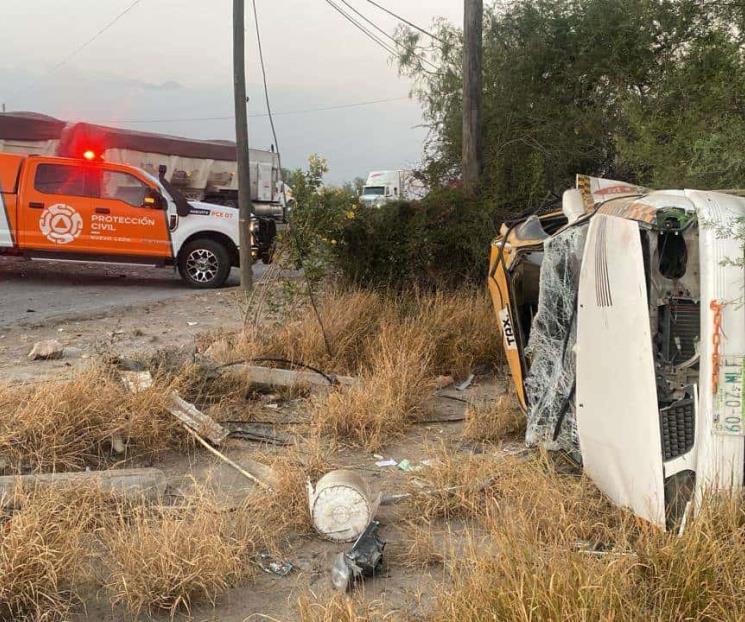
(34, 291)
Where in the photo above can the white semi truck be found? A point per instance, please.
(385, 186)
(201, 170)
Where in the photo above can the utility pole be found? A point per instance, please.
(241, 138)
(473, 11)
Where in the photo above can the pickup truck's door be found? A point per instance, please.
(54, 211)
(121, 224)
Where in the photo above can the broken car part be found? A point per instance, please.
(364, 559)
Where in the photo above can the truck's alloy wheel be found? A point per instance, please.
(204, 264)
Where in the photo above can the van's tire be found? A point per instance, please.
(204, 264)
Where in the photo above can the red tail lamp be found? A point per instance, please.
(89, 154)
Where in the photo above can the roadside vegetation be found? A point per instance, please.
(476, 516)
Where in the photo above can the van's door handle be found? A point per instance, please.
(103, 210)
(36, 205)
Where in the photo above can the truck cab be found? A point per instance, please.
(623, 327)
(87, 209)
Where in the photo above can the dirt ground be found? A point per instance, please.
(139, 328)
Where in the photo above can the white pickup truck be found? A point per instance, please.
(87, 209)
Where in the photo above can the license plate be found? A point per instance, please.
(729, 411)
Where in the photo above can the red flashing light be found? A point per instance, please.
(89, 154)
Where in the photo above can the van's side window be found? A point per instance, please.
(124, 187)
(60, 179)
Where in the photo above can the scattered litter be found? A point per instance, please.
(195, 421)
(136, 381)
(194, 418)
(443, 417)
(260, 432)
(427, 462)
(341, 505)
(405, 465)
(274, 406)
(465, 384)
(364, 559)
(386, 463)
(272, 566)
(46, 350)
(192, 323)
(378, 456)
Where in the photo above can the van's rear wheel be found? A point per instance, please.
(204, 264)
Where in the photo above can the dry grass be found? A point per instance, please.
(460, 326)
(389, 396)
(338, 608)
(43, 554)
(559, 551)
(494, 421)
(416, 546)
(70, 424)
(165, 559)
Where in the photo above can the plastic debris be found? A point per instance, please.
(270, 565)
(465, 384)
(364, 559)
(386, 463)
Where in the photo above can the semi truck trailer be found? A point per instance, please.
(202, 170)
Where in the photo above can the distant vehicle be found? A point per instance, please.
(88, 209)
(202, 170)
(623, 326)
(385, 186)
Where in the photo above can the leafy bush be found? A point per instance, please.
(441, 241)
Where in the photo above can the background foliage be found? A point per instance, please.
(649, 91)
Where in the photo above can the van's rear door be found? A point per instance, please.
(617, 412)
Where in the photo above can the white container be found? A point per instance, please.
(341, 505)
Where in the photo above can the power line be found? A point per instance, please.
(406, 21)
(80, 48)
(262, 114)
(282, 184)
(369, 21)
(391, 50)
(355, 23)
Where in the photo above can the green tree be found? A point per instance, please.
(645, 90)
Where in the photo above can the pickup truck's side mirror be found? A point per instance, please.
(154, 200)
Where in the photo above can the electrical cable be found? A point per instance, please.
(354, 22)
(80, 48)
(262, 114)
(292, 232)
(407, 22)
(377, 39)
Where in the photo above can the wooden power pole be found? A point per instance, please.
(241, 138)
(473, 11)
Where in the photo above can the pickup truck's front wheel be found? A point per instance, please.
(204, 264)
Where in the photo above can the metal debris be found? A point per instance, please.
(364, 559)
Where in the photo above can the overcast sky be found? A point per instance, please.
(172, 59)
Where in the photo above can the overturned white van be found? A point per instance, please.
(623, 318)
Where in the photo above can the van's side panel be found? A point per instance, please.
(617, 414)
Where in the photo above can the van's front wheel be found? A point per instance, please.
(204, 264)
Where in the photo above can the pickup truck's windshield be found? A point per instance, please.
(373, 190)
